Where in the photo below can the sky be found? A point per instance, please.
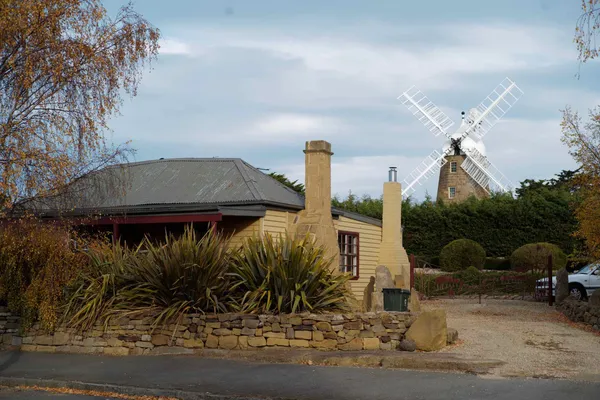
(255, 79)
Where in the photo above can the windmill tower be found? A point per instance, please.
(463, 166)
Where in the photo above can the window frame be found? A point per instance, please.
(450, 195)
(455, 165)
(357, 255)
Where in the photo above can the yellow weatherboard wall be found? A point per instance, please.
(369, 241)
(276, 222)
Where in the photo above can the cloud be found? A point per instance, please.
(174, 47)
(259, 92)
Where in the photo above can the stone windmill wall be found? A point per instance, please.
(464, 185)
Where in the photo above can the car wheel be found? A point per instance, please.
(577, 292)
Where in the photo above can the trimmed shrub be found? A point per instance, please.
(461, 254)
(287, 275)
(534, 257)
(497, 264)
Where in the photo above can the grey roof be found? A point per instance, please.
(227, 185)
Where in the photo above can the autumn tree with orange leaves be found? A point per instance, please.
(583, 137)
(64, 65)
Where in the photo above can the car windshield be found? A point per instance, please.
(587, 269)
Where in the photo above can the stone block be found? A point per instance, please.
(385, 346)
(259, 332)
(212, 342)
(213, 325)
(243, 342)
(61, 338)
(144, 345)
(276, 327)
(94, 342)
(278, 335)
(222, 332)
(252, 323)
(299, 343)
(354, 344)
(290, 334)
(306, 335)
(46, 349)
(114, 342)
(28, 340)
(323, 326)
(257, 341)
(352, 333)
(44, 340)
(429, 331)
(407, 345)
(353, 325)
(371, 343)
(295, 320)
(248, 331)
(327, 344)
(318, 336)
(116, 351)
(28, 347)
(193, 343)
(187, 335)
(146, 338)
(274, 341)
(161, 340)
(228, 342)
(366, 334)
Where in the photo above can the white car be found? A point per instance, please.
(582, 283)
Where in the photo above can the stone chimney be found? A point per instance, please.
(392, 253)
(316, 219)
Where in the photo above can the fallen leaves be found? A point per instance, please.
(95, 393)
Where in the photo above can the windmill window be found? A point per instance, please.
(348, 243)
(453, 166)
(451, 192)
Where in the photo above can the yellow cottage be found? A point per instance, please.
(150, 197)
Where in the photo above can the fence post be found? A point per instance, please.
(550, 280)
(412, 271)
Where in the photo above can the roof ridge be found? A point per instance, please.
(251, 183)
(289, 189)
(184, 159)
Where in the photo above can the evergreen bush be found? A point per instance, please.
(461, 254)
(534, 257)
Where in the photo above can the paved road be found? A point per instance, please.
(231, 378)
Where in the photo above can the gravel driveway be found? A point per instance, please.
(532, 338)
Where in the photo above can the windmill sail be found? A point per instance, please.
(484, 172)
(428, 113)
(493, 107)
(430, 166)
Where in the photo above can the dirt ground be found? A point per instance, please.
(532, 338)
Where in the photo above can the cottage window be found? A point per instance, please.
(348, 243)
(451, 192)
(453, 166)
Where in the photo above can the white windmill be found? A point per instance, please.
(466, 141)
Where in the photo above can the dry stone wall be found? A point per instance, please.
(365, 331)
(581, 311)
(9, 327)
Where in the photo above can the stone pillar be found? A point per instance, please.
(316, 219)
(392, 253)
